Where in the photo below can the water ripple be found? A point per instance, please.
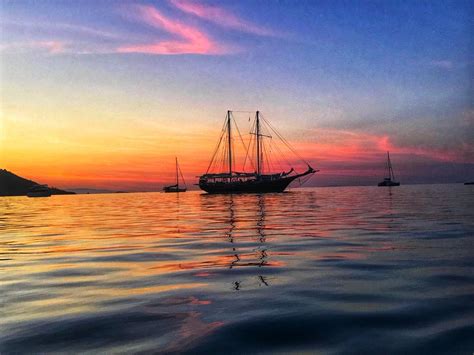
(325, 270)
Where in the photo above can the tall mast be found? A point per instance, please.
(390, 169)
(230, 144)
(177, 180)
(257, 128)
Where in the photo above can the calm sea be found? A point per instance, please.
(323, 270)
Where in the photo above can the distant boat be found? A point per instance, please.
(390, 180)
(469, 183)
(232, 181)
(39, 191)
(176, 187)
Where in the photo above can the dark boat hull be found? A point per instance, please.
(389, 183)
(174, 189)
(252, 186)
(39, 194)
(39, 191)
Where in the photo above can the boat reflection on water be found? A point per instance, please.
(247, 240)
(261, 259)
(323, 270)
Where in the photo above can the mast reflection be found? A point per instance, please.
(230, 235)
(239, 257)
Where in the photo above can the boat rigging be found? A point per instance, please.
(257, 157)
(390, 180)
(176, 187)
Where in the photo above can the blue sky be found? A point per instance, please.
(326, 72)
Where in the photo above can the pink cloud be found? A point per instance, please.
(61, 27)
(51, 46)
(191, 40)
(220, 17)
(335, 145)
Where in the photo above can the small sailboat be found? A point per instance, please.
(39, 191)
(259, 180)
(176, 187)
(390, 180)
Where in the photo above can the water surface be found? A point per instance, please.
(323, 270)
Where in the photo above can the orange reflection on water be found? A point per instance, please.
(172, 258)
(144, 235)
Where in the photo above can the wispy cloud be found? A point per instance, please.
(220, 17)
(341, 146)
(58, 38)
(443, 64)
(64, 28)
(182, 36)
(50, 46)
(189, 39)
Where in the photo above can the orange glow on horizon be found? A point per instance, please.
(139, 155)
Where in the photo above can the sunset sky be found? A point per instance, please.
(104, 94)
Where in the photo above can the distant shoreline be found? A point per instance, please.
(291, 189)
(14, 185)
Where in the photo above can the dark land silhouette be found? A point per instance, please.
(14, 185)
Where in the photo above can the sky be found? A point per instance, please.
(104, 94)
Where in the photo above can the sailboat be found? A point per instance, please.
(259, 180)
(390, 180)
(176, 187)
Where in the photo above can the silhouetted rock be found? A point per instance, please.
(14, 185)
